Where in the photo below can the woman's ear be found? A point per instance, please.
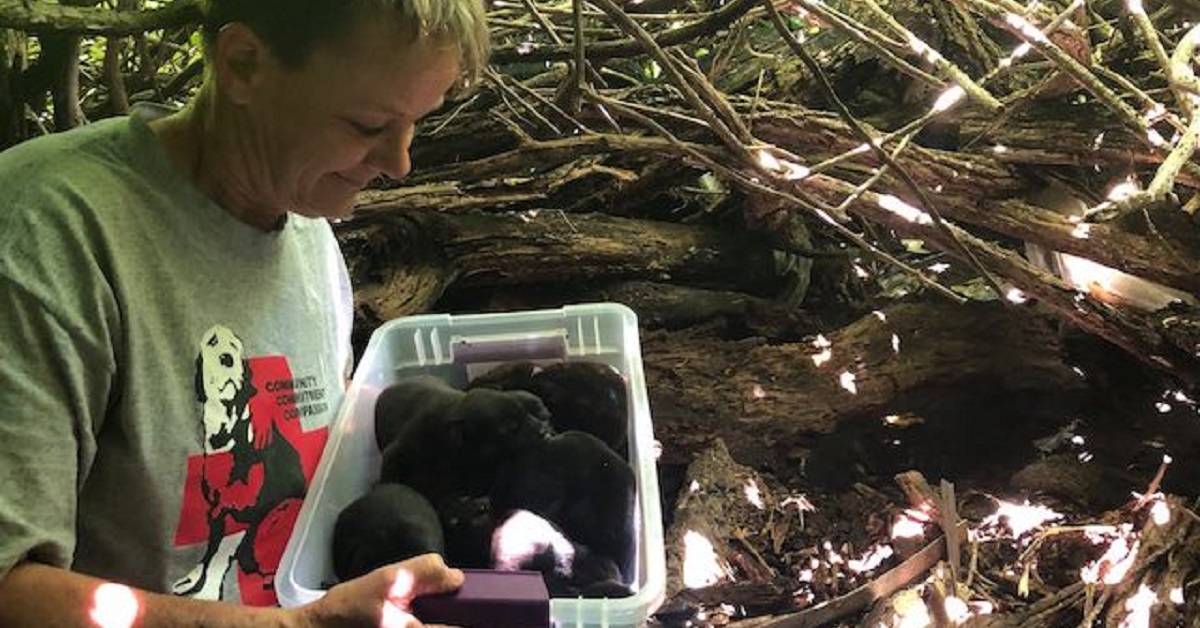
(239, 61)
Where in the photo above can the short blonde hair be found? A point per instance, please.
(293, 28)
(462, 22)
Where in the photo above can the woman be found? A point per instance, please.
(177, 320)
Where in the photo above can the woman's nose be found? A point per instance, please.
(390, 155)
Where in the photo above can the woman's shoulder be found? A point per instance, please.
(83, 159)
(96, 138)
(62, 183)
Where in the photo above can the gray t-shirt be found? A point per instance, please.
(169, 373)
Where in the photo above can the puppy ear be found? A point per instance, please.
(239, 60)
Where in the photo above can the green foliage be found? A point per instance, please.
(976, 289)
(651, 71)
(148, 64)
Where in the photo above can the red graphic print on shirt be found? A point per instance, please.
(243, 493)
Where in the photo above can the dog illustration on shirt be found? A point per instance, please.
(251, 477)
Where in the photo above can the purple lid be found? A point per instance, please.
(491, 599)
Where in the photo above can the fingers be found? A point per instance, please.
(395, 617)
(422, 575)
(384, 597)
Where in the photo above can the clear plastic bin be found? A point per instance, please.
(457, 349)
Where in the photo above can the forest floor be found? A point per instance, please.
(1075, 517)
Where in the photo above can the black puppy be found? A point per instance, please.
(586, 396)
(412, 398)
(467, 523)
(508, 376)
(390, 523)
(446, 443)
(526, 541)
(579, 484)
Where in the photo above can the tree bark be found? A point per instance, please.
(973, 191)
(402, 261)
(12, 106)
(43, 16)
(767, 400)
(602, 50)
(976, 189)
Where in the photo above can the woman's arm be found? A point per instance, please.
(35, 595)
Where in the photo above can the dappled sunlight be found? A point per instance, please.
(800, 503)
(824, 350)
(786, 169)
(911, 612)
(753, 493)
(904, 210)
(871, 559)
(847, 381)
(701, 565)
(1027, 30)
(1122, 548)
(910, 524)
(1124, 189)
(948, 98)
(1019, 519)
(1015, 295)
(114, 606)
(1138, 607)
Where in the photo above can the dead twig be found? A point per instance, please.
(903, 575)
(816, 208)
(1183, 79)
(974, 90)
(852, 122)
(869, 37)
(729, 131)
(601, 50)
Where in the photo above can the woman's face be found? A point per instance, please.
(323, 131)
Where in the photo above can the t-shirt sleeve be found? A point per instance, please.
(345, 313)
(337, 276)
(53, 389)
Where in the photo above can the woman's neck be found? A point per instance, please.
(199, 145)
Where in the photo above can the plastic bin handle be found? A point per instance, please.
(468, 350)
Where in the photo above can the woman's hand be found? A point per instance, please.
(382, 598)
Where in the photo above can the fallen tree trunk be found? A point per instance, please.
(770, 402)
(664, 306)
(977, 190)
(402, 262)
(1140, 334)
